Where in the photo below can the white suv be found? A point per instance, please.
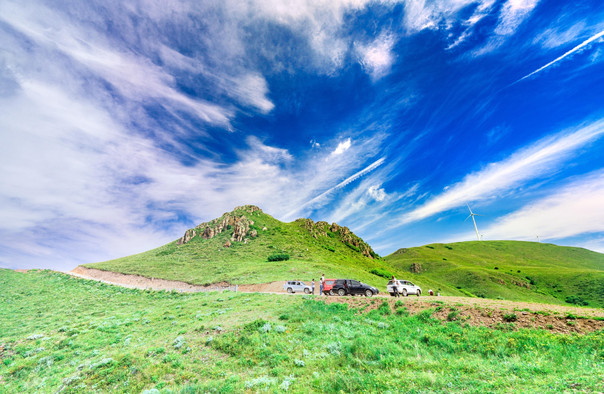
(293, 286)
(404, 288)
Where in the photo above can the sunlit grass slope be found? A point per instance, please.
(63, 334)
(513, 270)
(313, 249)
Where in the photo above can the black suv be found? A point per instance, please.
(344, 287)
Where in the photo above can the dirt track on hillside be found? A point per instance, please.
(141, 282)
(473, 311)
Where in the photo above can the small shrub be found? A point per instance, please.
(178, 342)
(280, 329)
(398, 304)
(570, 316)
(278, 257)
(299, 363)
(576, 300)
(510, 317)
(496, 268)
(453, 315)
(381, 272)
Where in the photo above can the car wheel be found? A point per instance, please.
(341, 292)
(290, 290)
(419, 292)
(404, 293)
(306, 291)
(331, 292)
(368, 293)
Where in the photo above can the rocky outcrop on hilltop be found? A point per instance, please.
(235, 221)
(347, 237)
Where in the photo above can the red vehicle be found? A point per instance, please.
(327, 286)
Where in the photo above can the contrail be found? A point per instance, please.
(575, 49)
(345, 182)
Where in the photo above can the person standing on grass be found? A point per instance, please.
(321, 284)
(313, 286)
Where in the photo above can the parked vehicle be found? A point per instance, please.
(403, 287)
(328, 286)
(293, 286)
(344, 287)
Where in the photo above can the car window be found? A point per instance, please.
(389, 282)
(355, 283)
(329, 282)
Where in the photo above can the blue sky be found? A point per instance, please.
(122, 124)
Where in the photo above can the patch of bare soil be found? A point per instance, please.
(141, 282)
(490, 313)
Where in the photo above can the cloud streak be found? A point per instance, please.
(566, 54)
(573, 210)
(538, 159)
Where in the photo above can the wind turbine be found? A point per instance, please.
(472, 214)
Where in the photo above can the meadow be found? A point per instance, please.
(511, 270)
(63, 334)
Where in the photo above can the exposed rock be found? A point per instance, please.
(248, 208)
(240, 228)
(253, 233)
(264, 229)
(227, 244)
(189, 234)
(228, 221)
(416, 268)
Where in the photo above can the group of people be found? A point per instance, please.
(321, 284)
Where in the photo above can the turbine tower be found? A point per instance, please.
(472, 214)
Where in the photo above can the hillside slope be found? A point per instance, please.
(235, 248)
(513, 270)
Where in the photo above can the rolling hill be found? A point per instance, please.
(513, 270)
(236, 247)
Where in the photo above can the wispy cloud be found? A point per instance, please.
(566, 54)
(377, 57)
(538, 159)
(574, 209)
(513, 13)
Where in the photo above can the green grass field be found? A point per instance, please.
(513, 270)
(63, 334)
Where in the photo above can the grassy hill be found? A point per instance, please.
(64, 334)
(513, 270)
(236, 247)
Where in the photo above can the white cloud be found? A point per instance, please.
(342, 147)
(560, 35)
(574, 209)
(377, 193)
(134, 77)
(513, 13)
(377, 57)
(526, 164)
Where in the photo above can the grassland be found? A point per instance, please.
(205, 261)
(65, 334)
(513, 270)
